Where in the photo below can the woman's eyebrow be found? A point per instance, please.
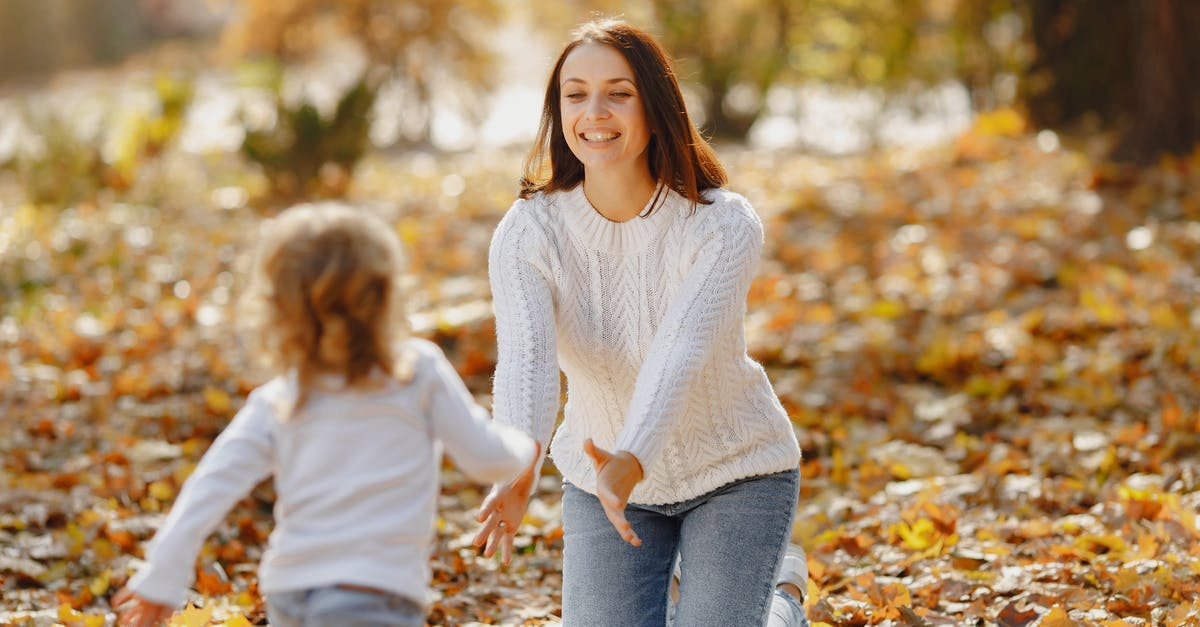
(609, 81)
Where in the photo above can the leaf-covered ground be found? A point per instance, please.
(990, 351)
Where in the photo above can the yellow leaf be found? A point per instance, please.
(889, 309)
(74, 618)
(237, 621)
(1057, 617)
(900, 471)
(1163, 316)
(1111, 542)
(100, 584)
(192, 616)
(217, 400)
(161, 490)
(919, 536)
(840, 474)
(1006, 122)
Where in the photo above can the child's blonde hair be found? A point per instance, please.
(324, 295)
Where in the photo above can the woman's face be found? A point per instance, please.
(602, 114)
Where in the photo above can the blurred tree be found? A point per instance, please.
(733, 52)
(427, 50)
(1133, 64)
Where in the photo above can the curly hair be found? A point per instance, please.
(324, 296)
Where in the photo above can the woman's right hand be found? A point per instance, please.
(502, 512)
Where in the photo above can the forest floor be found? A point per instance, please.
(990, 351)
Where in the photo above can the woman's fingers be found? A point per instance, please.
(614, 509)
(599, 456)
(614, 482)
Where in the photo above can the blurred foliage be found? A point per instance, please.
(69, 152)
(306, 152)
(59, 166)
(735, 51)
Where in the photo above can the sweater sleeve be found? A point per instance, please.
(241, 457)
(526, 388)
(711, 302)
(484, 450)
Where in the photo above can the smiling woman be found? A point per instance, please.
(625, 263)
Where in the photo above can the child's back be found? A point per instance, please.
(355, 463)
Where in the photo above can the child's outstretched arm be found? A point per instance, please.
(486, 451)
(238, 459)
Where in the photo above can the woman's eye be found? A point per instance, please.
(622, 94)
(574, 96)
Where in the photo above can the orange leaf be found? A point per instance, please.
(209, 583)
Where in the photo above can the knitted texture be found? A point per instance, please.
(645, 318)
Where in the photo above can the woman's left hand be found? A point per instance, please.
(616, 475)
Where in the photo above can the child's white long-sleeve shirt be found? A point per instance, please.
(645, 317)
(356, 479)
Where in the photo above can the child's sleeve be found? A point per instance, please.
(238, 459)
(486, 451)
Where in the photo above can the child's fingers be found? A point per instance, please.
(506, 548)
(490, 504)
(493, 542)
(486, 530)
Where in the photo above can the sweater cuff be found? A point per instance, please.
(164, 586)
(645, 449)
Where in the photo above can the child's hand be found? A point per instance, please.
(503, 510)
(136, 611)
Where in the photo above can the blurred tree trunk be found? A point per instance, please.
(1166, 100)
(1133, 63)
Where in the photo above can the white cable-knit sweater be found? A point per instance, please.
(645, 317)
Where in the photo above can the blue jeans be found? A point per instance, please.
(332, 606)
(730, 541)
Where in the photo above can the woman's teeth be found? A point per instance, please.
(599, 137)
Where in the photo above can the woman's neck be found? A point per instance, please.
(618, 197)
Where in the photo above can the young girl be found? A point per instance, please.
(352, 430)
(627, 263)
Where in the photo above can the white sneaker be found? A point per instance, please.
(794, 569)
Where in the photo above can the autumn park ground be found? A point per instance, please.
(990, 350)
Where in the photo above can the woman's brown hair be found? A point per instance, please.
(679, 157)
(323, 296)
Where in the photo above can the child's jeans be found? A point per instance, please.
(335, 606)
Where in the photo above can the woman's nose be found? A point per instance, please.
(596, 108)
